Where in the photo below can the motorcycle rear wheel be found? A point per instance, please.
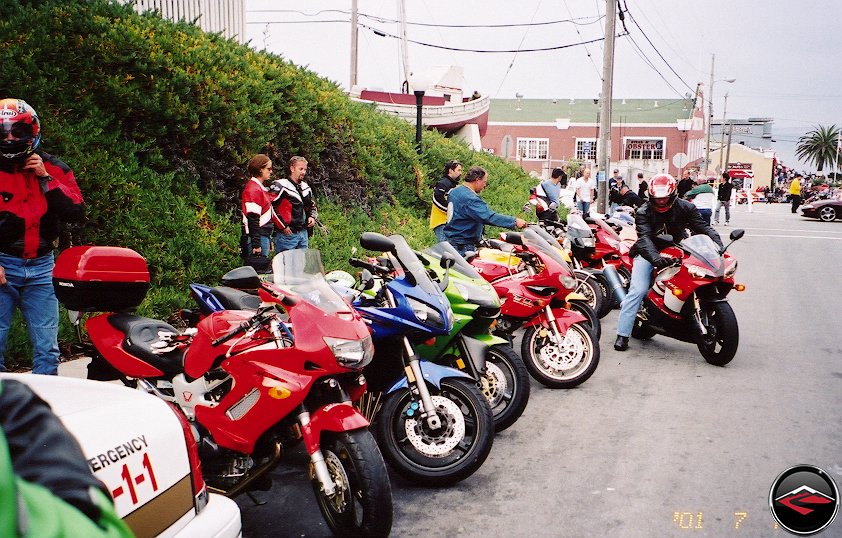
(560, 367)
(362, 503)
(437, 457)
(720, 343)
(505, 385)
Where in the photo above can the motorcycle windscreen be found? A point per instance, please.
(704, 249)
(301, 272)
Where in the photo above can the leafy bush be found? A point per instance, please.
(158, 119)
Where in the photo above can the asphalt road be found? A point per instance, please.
(657, 442)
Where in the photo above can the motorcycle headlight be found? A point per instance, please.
(567, 281)
(427, 314)
(351, 353)
(729, 271)
(699, 272)
(482, 296)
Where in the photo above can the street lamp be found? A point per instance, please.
(710, 109)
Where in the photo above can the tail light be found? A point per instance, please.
(200, 489)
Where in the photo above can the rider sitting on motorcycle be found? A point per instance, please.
(664, 213)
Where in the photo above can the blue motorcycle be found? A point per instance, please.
(438, 431)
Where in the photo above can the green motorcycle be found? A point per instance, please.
(500, 372)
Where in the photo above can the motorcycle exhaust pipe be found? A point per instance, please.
(614, 282)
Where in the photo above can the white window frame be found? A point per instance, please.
(580, 152)
(533, 149)
(641, 154)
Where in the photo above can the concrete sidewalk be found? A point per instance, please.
(74, 368)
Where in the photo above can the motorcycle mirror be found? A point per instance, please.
(737, 234)
(366, 279)
(512, 237)
(241, 278)
(376, 241)
(447, 261)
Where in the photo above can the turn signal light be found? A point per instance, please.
(677, 292)
(279, 393)
(430, 342)
(740, 287)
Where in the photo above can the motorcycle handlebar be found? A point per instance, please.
(237, 330)
(374, 268)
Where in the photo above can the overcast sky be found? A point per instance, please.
(784, 54)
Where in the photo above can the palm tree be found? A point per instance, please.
(819, 147)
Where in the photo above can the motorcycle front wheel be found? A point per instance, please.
(593, 291)
(560, 366)
(445, 455)
(362, 502)
(505, 385)
(592, 319)
(720, 343)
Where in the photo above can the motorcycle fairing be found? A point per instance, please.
(565, 318)
(433, 374)
(333, 417)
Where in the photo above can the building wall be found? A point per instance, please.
(746, 158)
(227, 17)
(562, 143)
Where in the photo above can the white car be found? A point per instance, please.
(145, 454)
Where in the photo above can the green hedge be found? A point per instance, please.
(158, 119)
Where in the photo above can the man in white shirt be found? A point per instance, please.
(585, 186)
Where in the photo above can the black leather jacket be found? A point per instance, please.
(650, 223)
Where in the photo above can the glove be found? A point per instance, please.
(664, 262)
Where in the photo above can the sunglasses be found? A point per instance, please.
(18, 130)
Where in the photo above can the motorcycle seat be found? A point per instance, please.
(233, 299)
(141, 333)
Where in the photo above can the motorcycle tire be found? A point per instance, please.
(560, 367)
(362, 503)
(505, 385)
(592, 322)
(720, 343)
(592, 290)
(609, 299)
(641, 331)
(437, 458)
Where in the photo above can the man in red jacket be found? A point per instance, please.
(37, 193)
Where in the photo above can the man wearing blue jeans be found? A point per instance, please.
(664, 213)
(295, 211)
(38, 192)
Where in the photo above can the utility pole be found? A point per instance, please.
(722, 134)
(604, 148)
(710, 114)
(354, 36)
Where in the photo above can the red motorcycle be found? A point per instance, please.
(249, 382)
(689, 302)
(558, 347)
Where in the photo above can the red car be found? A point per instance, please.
(826, 210)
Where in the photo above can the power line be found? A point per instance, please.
(483, 51)
(574, 21)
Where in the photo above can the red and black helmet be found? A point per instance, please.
(20, 130)
(662, 192)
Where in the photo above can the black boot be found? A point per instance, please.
(621, 343)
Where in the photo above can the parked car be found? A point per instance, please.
(826, 210)
(144, 451)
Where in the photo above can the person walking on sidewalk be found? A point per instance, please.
(723, 198)
(795, 192)
(438, 214)
(584, 187)
(39, 193)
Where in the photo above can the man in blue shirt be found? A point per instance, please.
(467, 213)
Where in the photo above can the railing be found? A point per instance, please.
(226, 17)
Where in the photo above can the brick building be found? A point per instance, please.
(646, 134)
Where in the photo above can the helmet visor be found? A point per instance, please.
(661, 204)
(18, 130)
